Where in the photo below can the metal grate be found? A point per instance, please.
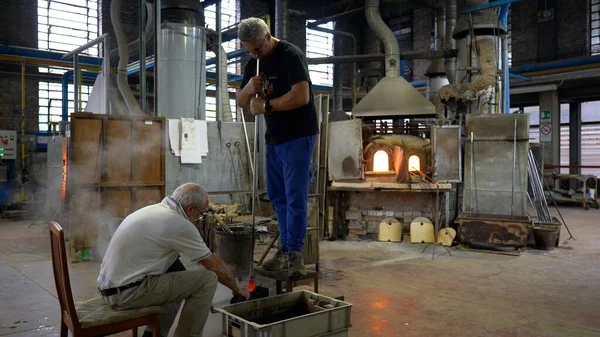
(320, 44)
(50, 102)
(595, 27)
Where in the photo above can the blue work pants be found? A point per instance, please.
(288, 170)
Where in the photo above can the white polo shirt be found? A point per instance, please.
(147, 242)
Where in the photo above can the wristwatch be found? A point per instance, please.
(267, 106)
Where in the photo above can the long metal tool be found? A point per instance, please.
(514, 169)
(257, 120)
(472, 175)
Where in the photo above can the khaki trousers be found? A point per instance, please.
(196, 287)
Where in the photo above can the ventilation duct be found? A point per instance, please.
(393, 95)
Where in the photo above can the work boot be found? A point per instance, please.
(296, 265)
(278, 262)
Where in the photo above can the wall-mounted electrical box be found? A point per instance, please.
(8, 144)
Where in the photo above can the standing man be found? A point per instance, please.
(286, 100)
(135, 271)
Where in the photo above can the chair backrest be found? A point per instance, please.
(61, 273)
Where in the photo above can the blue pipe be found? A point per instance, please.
(582, 61)
(519, 77)
(504, 20)
(419, 84)
(65, 90)
(47, 55)
(402, 67)
(231, 55)
(488, 6)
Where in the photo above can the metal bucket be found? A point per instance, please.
(235, 249)
(545, 238)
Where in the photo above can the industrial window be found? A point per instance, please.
(595, 26)
(50, 102)
(229, 18)
(320, 44)
(590, 137)
(211, 107)
(65, 25)
(534, 131)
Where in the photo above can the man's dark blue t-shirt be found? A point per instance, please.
(282, 69)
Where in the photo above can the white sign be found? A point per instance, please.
(545, 133)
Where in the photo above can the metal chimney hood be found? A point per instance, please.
(393, 95)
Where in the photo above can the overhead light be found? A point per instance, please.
(532, 89)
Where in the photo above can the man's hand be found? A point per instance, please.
(257, 106)
(243, 292)
(255, 86)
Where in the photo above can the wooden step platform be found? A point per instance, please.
(281, 276)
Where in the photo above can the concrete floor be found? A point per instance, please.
(394, 288)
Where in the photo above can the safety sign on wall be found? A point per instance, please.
(545, 126)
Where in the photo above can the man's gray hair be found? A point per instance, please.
(190, 194)
(252, 29)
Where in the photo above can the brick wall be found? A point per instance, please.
(573, 28)
(565, 37)
(19, 28)
(365, 211)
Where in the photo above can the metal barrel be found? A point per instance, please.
(235, 249)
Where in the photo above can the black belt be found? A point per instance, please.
(112, 291)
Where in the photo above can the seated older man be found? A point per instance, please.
(135, 271)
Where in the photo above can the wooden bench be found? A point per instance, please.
(281, 276)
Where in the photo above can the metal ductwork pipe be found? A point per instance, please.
(436, 73)
(387, 37)
(281, 19)
(478, 42)
(449, 42)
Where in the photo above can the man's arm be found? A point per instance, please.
(295, 98)
(224, 274)
(243, 98)
(244, 95)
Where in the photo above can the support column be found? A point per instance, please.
(550, 127)
(575, 136)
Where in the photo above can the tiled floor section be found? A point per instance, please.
(394, 288)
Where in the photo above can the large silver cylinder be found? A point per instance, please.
(182, 69)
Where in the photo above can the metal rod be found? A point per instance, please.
(429, 54)
(143, 93)
(472, 174)
(76, 83)
(250, 159)
(85, 46)
(157, 57)
(219, 73)
(514, 168)
(106, 70)
(254, 177)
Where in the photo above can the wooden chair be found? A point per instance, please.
(94, 317)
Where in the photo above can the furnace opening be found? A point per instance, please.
(381, 161)
(414, 163)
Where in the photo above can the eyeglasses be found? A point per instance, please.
(256, 51)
